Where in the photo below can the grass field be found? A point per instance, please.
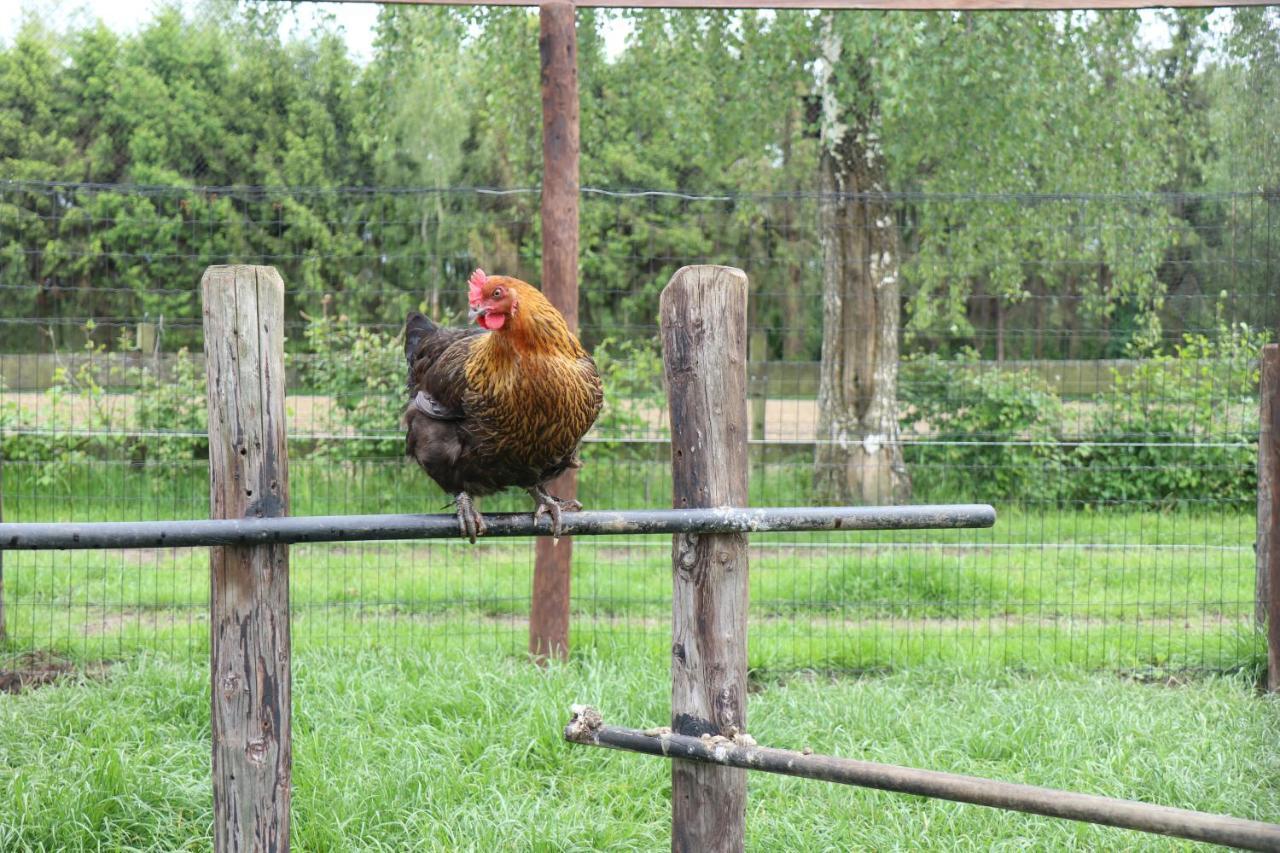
(1115, 588)
(463, 752)
(1037, 651)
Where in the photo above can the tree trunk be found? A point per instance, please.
(793, 344)
(1071, 318)
(433, 276)
(859, 457)
(999, 307)
(794, 321)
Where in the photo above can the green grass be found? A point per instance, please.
(418, 724)
(463, 751)
(1121, 587)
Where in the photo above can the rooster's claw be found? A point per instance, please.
(470, 521)
(550, 505)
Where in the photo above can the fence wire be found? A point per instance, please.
(1107, 405)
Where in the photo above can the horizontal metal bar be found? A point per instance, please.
(347, 528)
(586, 727)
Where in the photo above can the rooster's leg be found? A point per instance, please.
(548, 504)
(469, 520)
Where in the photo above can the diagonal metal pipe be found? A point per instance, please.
(587, 727)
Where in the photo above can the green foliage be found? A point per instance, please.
(1027, 105)
(59, 452)
(1008, 113)
(175, 403)
(995, 430)
(217, 138)
(81, 421)
(631, 372)
(1180, 428)
(70, 440)
(363, 373)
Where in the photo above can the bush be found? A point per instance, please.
(1180, 428)
(76, 427)
(993, 431)
(176, 403)
(631, 372)
(363, 374)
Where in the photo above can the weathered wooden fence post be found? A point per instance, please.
(1267, 602)
(704, 338)
(249, 618)
(558, 45)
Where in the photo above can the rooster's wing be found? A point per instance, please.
(437, 358)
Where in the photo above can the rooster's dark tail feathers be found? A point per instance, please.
(416, 327)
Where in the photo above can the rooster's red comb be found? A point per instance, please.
(477, 281)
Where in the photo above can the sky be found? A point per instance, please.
(356, 19)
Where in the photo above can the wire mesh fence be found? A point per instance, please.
(1087, 363)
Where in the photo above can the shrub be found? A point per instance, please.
(631, 372)
(1179, 428)
(363, 374)
(175, 403)
(992, 431)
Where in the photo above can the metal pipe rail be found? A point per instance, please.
(348, 528)
(587, 727)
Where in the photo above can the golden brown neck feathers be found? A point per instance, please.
(534, 323)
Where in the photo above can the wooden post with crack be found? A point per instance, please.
(558, 46)
(703, 315)
(249, 603)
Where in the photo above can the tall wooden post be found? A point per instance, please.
(249, 619)
(703, 315)
(1267, 602)
(558, 45)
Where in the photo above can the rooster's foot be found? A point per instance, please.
(550, 505)
(469, 520)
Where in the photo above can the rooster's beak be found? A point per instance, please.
(475, 313)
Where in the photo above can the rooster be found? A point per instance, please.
(503, 403)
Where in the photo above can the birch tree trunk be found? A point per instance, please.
(859, 456)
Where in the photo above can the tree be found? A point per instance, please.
(417, 91)
(1177, 70)
(1040, 103)
(1244, 173)
(859, 456)
(967, 159)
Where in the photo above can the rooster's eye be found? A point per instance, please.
(497, 293)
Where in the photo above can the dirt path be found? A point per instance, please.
(36, 669)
